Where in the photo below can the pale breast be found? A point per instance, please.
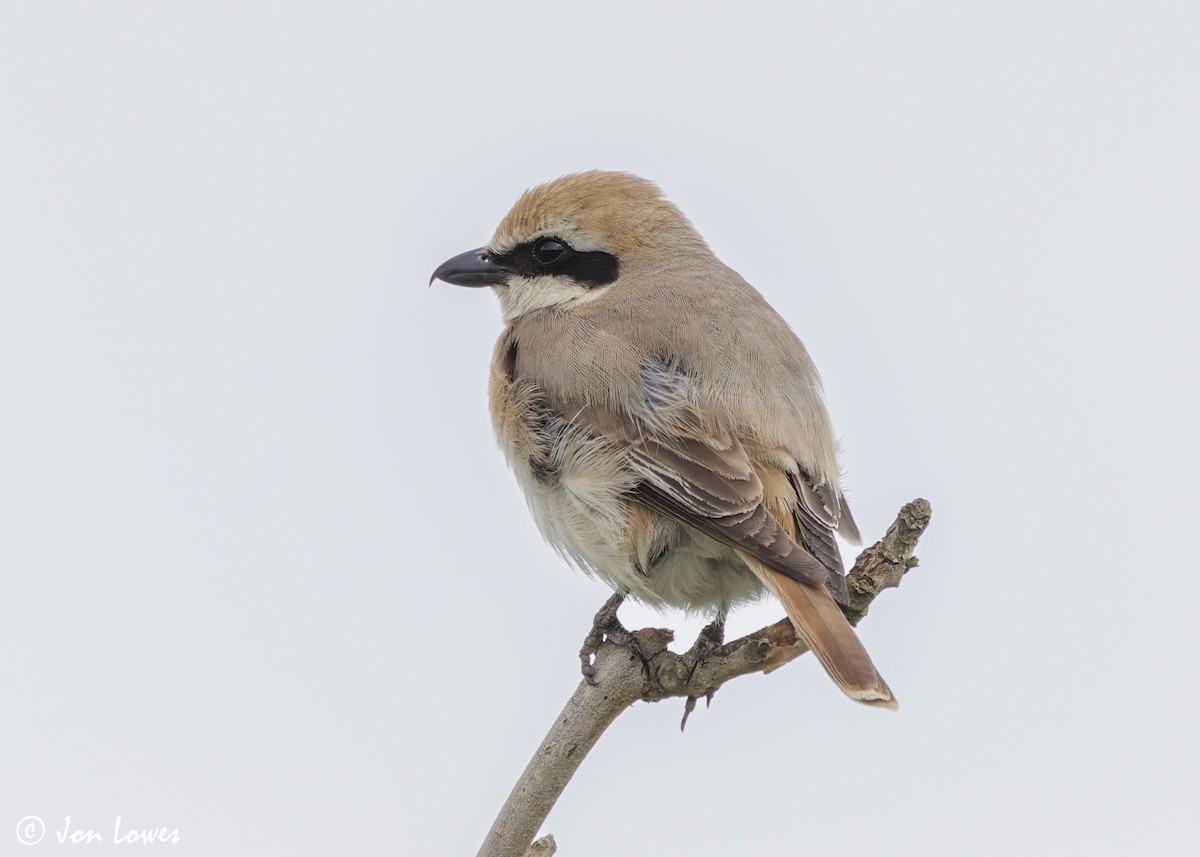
(579, 485)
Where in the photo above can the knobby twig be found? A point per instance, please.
(622, 679)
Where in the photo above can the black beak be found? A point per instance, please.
(474, 268)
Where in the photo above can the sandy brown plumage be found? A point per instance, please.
(666, 425)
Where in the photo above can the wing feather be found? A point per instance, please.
(709, 484)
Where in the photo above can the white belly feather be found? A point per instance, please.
(583, 510)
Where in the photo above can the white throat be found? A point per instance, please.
(526, 294)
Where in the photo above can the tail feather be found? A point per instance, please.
(820, 623)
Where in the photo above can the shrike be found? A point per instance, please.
(666, 425)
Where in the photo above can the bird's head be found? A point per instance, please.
(569, 240)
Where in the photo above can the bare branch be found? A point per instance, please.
(622, 679)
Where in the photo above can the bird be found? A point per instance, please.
(666, 425)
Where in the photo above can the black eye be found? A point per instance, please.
(548, 251)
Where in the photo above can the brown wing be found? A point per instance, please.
(705, 479)
(817, 514)
(709, 484)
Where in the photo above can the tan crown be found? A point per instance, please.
(596, 210)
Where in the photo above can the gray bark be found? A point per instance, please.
(622, 679)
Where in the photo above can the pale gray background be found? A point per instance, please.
(266, 578)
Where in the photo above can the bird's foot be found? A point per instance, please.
(607, 627)
(710, 639)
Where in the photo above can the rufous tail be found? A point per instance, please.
(819, 622)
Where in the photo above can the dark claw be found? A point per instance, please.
(688, 708)
(606, 626)
(710, 638)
